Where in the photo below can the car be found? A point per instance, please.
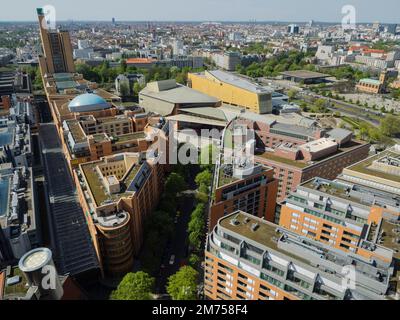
(176, 220)
(172, 260)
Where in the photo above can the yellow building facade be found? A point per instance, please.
(232, 90)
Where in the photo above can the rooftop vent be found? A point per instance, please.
(235, 222)
(254, 227)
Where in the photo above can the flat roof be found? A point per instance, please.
(300, 164)
(180, 95)
(305, 74)
(364, 166)
(240, 82)
(96, 187)
(198, 120)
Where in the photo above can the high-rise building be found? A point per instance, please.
(293, 29)
(248, 258)
(391, 28)
(57, 49)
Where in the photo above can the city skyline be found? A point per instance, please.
(208, 10)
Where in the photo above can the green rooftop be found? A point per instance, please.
(363, 166)
(128, 137)
(19, 289)
(273, 157)
(95, 184)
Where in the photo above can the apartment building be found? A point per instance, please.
(232, 90)
(248, 258)
(117, 194)
(234, 190)
(346, 216)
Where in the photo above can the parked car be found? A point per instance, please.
(172, 260)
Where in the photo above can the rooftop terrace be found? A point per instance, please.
(96, 187)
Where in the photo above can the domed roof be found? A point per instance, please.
(88, 102)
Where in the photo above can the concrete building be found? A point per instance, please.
(226, 60)
(168, 97)
(248, 258)
(117, 194)
(233, 90)
(304, 76)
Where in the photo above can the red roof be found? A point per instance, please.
(140, 60)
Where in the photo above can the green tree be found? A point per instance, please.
(183, 284)
(194, 260)
(134, 286)
(175, 184)
(124, 89)
(204, 177)
(390, 125)
(292, 93)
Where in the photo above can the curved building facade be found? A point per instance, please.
(115, 243)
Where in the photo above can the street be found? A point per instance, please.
(178, 244)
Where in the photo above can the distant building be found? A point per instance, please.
(141, 63)
(177, 47)
(372, 85)
(227, 60)
(293, 29)
(304, 76)
(129, 81)
(391, 28)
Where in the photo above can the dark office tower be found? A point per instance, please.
(391, 28)
(57, 50)
(5, 250)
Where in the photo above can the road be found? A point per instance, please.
(359, 112)
(178, 244)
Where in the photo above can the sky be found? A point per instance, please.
(204, 10)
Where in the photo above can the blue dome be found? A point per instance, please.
(88, 102)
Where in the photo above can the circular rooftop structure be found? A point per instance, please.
(88, 102)
(35, 259)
